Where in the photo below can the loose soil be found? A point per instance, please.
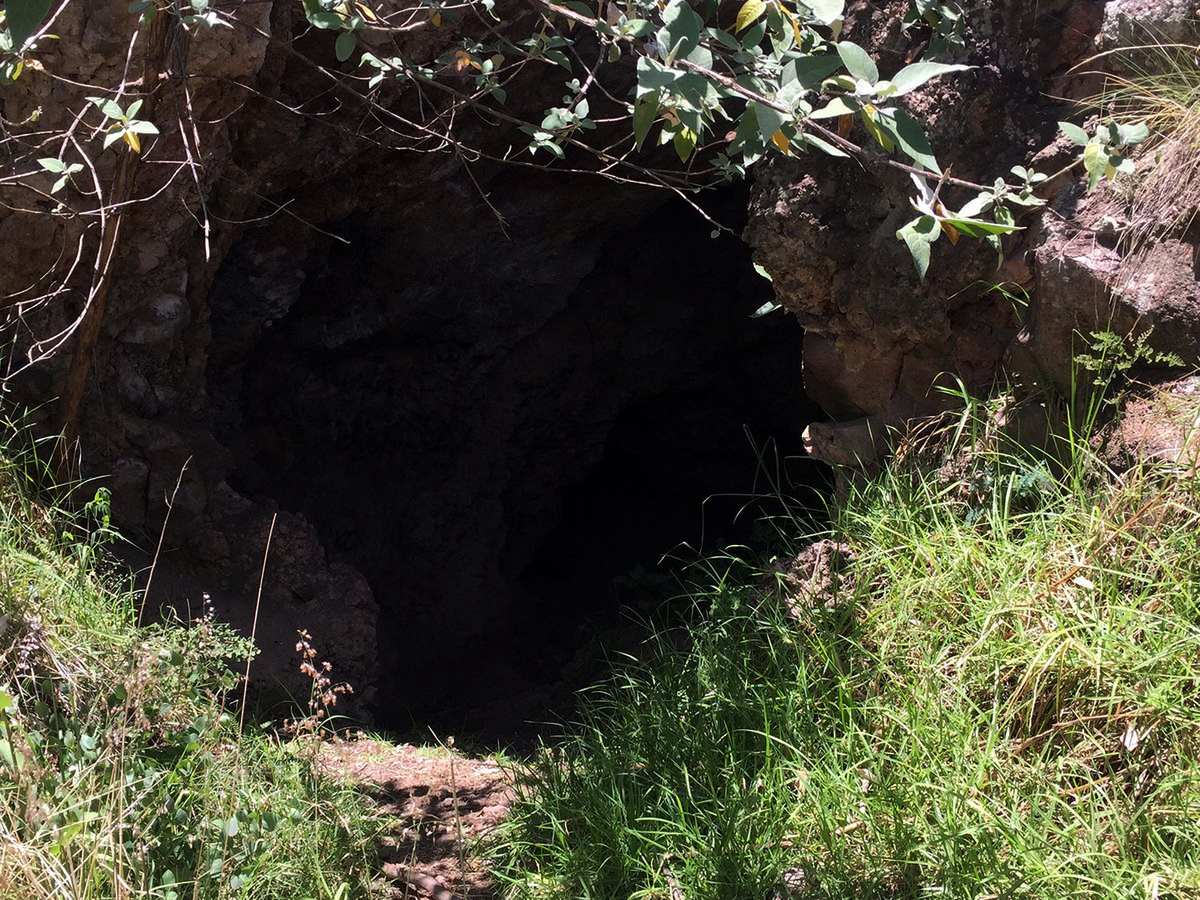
(441, 803)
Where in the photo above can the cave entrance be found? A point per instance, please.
(507, 435)
(684, 475)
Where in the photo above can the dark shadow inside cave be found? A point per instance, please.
(507, 435)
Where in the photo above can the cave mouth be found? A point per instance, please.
(515, 438)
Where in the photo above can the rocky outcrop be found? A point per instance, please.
(1084, 287)
(876, 337)
(879, 343)
(396, 366)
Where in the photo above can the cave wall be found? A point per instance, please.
(425, 396)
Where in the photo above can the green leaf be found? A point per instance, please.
(770, 120)
(1074, 132)
(978, 228)
(6, 701)
(325, 19)
(231, 826)
(1095, 161)
(761, 270)
(826, 11)
(858, 62)
(344, 46)
(911, 139)
(766, 309)
(822, 145)
(109, 107)
(23, 18)
(50, 164)
(7, 756)
(653, 76)
(142, 127)
(645, 111)
(912, 77)
(811, 70)
(684, 143)
(835, 108)
(918, 235)
(1130, 135)
(681, 30)
(975, 206)
(881, 130)
(750, 13)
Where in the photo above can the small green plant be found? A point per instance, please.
(125, 125)
(1105, 153)
(64, 171)
(1111, 358)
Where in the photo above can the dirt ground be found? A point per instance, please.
(442, 803)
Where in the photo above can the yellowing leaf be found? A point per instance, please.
(367, 12)
(436, 18)
(779, 139)
(951, 232)
(791, 16)
(749, 14)
(870, 117)
(134, 142)
(844, 124)
(462, 59)
(685, 143)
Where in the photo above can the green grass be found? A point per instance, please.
(998, 697)
(124, 771)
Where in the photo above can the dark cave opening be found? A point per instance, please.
(684, 475)
(514, 440)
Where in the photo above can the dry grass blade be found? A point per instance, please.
(1157, 83)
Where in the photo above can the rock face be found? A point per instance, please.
(876, 337)
(394, 368)
(879, 342)
(1084, 287)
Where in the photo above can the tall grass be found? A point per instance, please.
(123, 773)
(995, 695)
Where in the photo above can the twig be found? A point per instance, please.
(161, 536)
(262, 576)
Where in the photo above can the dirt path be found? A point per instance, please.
(441, 801)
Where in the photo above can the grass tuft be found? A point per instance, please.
(995, 693)
(123, 772)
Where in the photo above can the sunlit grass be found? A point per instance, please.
(999, 696)
(124, 771)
